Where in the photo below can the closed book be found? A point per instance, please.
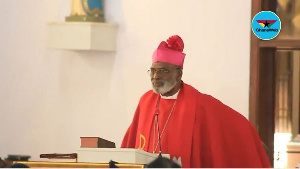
(96, 142)
(120, 155)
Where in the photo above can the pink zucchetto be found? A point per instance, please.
(170, 51)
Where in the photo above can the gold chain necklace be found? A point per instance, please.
(159, 135)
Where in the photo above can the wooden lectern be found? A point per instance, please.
(96, 152)
(48, 164)
(100, 157)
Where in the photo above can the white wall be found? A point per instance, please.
(49, 98)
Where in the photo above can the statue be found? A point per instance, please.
(86, 11)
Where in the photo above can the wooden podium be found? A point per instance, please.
(100, 157)
(48, 164)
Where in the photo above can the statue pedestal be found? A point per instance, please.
(82, 36)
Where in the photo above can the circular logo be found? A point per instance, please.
(266, 25)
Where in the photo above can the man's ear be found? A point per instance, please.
(180, 74)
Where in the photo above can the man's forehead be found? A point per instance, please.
(162, 65)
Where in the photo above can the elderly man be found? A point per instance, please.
(196, 129)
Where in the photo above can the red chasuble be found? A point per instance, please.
(201, 131)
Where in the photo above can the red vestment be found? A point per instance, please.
(201, 130)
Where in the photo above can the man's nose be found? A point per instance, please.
(155, 75)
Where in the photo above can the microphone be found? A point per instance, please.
(157, 122)
(159, 136)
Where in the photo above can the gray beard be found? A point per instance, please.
(167, 86)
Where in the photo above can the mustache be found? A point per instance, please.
(156, 80)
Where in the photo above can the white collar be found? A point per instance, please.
(174, 96)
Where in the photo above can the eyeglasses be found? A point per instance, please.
(152, 71)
